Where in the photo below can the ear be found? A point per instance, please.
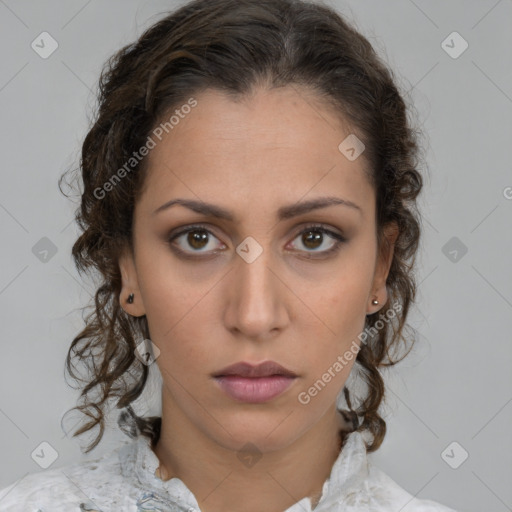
(130, 284)
(383, 264)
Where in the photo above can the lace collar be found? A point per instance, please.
(139, 463)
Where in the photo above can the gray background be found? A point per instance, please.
(455, 386)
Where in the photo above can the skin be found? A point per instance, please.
(251, 157)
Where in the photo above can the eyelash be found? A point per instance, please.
(312, 227)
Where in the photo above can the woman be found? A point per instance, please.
(250, 188)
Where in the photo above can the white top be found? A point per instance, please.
(124, 480)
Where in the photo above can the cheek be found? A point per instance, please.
(171, 299)
(345, 297)
(341, 309)
(341, 302)
(180, 325)
(180, 330)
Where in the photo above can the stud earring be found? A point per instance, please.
(130, 298)
(375, 302)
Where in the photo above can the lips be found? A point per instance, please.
(248, 383)
(266, 369)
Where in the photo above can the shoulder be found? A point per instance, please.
(75, 487)
(384, 490)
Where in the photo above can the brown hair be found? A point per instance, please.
(234, 46)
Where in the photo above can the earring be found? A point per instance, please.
(130, 298)
(375, 302)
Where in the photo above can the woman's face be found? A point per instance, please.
(263, 284)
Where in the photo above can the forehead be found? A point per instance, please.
(273, 143)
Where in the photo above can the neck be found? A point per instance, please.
(272, 481)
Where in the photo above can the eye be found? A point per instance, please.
(197, 238)
(314, 240)
(200, 240)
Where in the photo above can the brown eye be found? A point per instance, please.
(194, 240)
(197, 239)
(313, 238)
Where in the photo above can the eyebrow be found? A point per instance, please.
(285, 212)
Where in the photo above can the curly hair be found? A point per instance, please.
(234, 46)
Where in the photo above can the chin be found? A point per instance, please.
(267, 430)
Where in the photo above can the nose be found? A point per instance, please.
(257, 306)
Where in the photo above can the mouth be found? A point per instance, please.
(254, 383)
(266, 369)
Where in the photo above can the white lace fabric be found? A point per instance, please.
(124, 480)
